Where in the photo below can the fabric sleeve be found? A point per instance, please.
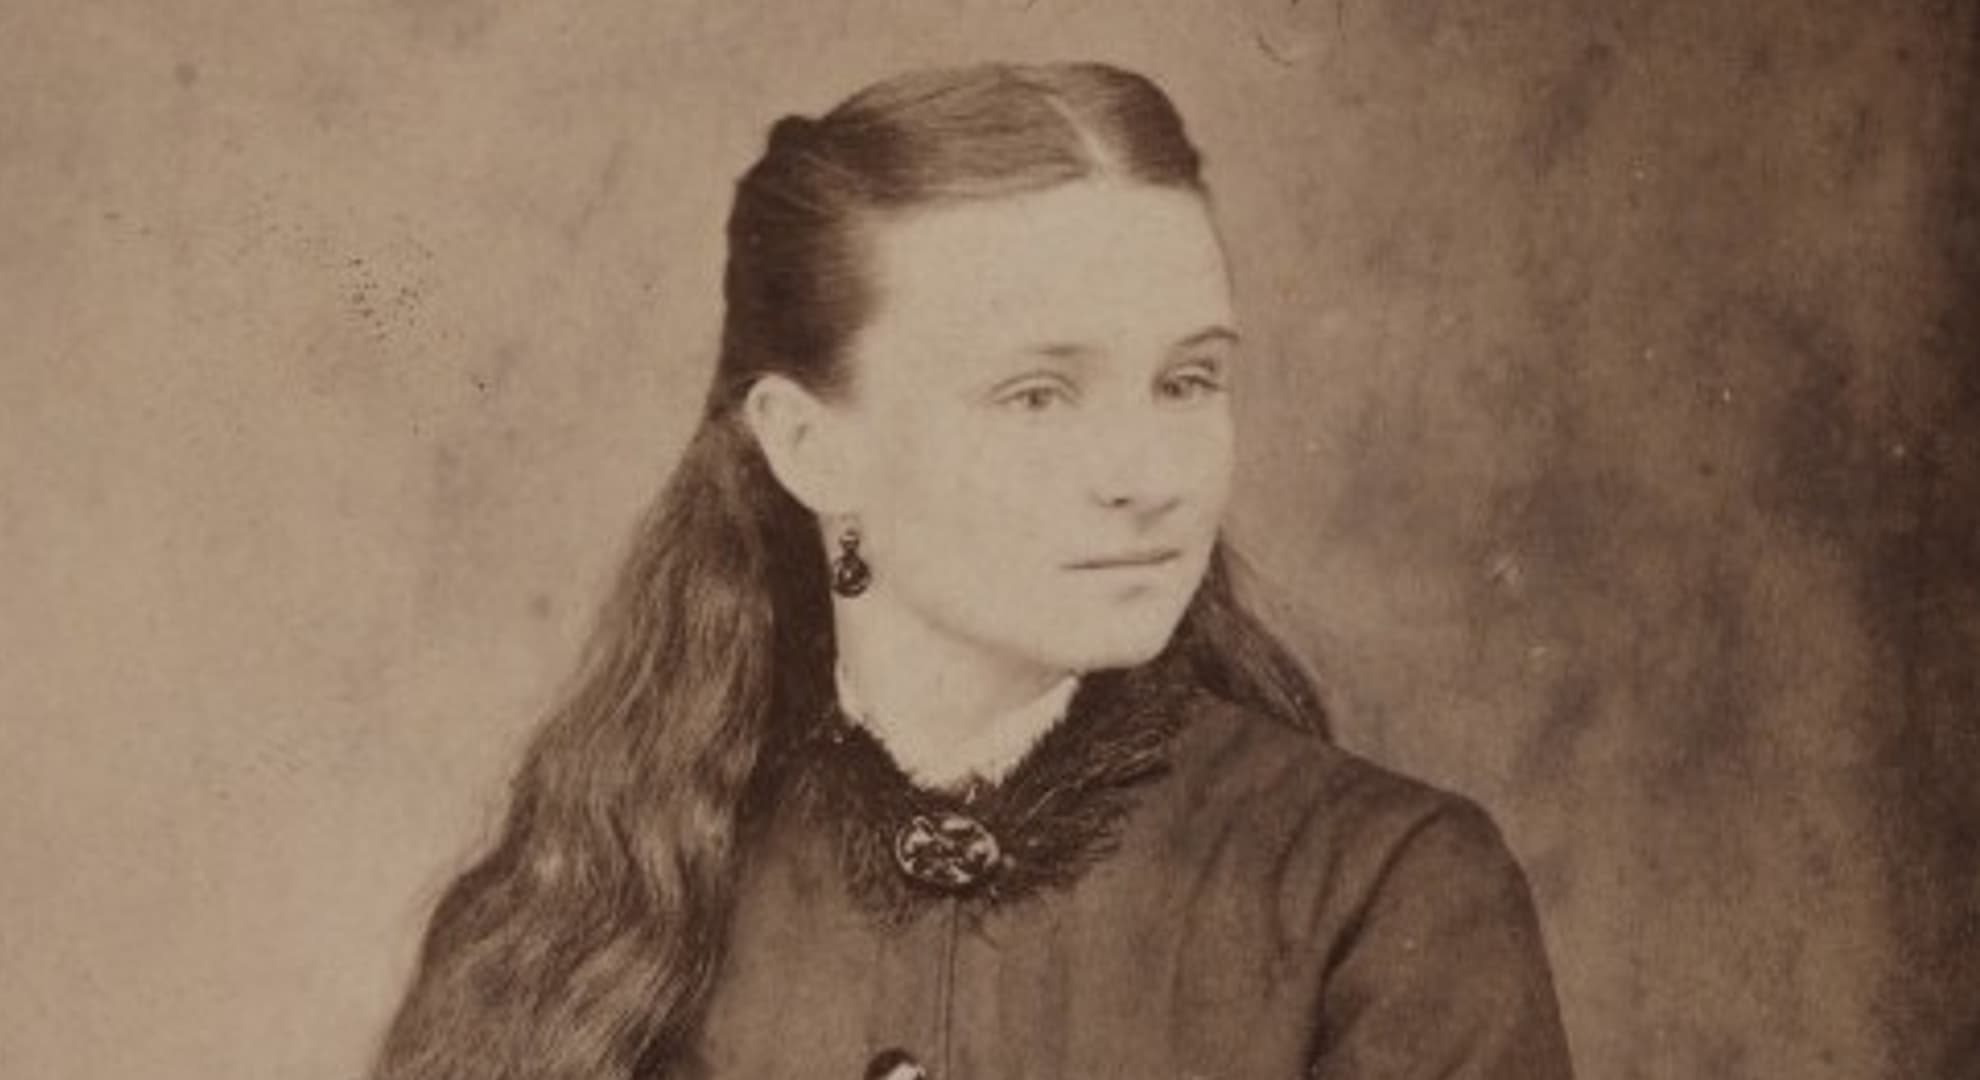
(1443, 972)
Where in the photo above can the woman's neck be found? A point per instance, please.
(950, 690)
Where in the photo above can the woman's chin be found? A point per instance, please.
(1121, 645)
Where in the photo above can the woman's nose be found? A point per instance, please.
(1137, 460)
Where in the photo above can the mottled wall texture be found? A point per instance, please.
(1613, 445)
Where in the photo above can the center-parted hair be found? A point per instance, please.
(584, 942)
(795, 289)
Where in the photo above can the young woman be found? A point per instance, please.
(924, 735)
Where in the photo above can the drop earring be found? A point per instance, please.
(850, 574)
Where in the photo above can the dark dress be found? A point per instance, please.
(1182, 888)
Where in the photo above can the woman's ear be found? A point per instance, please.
(805, 441)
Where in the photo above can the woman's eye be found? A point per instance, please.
(1190, 384)
(1037, 397)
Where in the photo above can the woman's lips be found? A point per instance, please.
(1128, 559)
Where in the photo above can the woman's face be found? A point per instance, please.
(1041, 418)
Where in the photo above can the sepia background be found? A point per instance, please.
(1611, 448)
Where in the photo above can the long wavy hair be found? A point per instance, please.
(583, 944)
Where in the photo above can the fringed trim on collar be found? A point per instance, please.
(1054, 815)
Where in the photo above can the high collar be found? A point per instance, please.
(987, 755)
(1054, 814)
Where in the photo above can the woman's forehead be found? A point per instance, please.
(1094, 264)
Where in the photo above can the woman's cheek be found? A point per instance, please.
(1009, 467)
(1199, 458)
(1220, 467)
(922, 460)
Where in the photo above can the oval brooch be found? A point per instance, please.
(951, 852)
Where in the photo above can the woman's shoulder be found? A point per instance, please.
(1235, 751)
(1299, 798)
(1403, 896)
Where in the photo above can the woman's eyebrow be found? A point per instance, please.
(1075, 351)
(1059, 350)
(1205, 336)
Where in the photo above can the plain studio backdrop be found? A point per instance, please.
(1610, 440)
